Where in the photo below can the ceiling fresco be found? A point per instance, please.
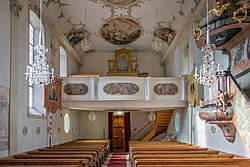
(115, 23)
(121, 30)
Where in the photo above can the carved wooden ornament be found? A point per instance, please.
(52, 95)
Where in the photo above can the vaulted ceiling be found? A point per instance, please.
(145, 13)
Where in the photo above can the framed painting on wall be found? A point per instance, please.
(52, 98)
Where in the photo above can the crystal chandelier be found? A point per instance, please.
(38, 71)
(157, 41)
(86, 42)
(151, 116)
(92, 116)
(209, 69)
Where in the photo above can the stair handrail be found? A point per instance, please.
(143, 128)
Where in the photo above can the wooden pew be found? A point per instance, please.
(6, 162)
(75, 153)
(88, 158)
(182, 155)
(100, 153)
(96, 160)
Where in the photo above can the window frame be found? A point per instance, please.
(32, 111)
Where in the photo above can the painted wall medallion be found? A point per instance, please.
(166, 89)
(121, 88)
(76, 89)
(121, 30)
(25, 130)
(213, 128)
(4, 117)
(38, 130)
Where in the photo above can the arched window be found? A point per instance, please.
(63, 63)
(36, 93)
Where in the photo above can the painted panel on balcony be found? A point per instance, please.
(166, 89)
(121, 88)
(76, 89)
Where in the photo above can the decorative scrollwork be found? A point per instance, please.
(15, 7)
(220, 8)
(197, 32)
(241, 13)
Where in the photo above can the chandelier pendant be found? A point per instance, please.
(209, 70)
(157, 43)
(86, 42)
(151, 116)
(38, 72)
(92, 116)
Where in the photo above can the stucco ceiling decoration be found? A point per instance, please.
(70, 17)
(121, 30)
(122, 3)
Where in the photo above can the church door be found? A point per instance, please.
(118, 136)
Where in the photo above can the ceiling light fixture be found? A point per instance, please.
(157, 41)
(151, 116)
(92, 116)
(86, 42)
(38, 69)
(209, 69)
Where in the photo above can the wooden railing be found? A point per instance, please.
(147, 128)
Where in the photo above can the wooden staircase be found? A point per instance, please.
(162, 122)
(163, 119)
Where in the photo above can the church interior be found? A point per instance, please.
(120, 83)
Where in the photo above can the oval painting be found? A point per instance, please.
(76, 89)
(121, 30)
(121, 88)
(166, 89)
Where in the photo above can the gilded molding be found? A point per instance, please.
(15, 7)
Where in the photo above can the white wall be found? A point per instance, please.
(5, 53)
(97, 129)
(59, 134)
(97, 63)
(138, 120)
(203, 135)
(184, 134)
(19, 117)
(5, 43)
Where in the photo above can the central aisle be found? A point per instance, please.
(118, 159)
